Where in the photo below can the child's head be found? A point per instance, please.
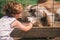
(13, 9)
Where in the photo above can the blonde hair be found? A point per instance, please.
(13, 8)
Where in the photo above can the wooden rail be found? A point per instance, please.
(37, 33)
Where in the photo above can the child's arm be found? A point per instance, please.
(22, 26)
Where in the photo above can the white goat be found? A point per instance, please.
(39, 12)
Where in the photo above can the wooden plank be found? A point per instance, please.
(37, 32)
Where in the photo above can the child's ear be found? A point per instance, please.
(4, 8)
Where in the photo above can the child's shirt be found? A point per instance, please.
(5, 25)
